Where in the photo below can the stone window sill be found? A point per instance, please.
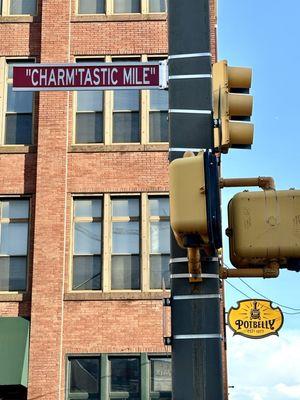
(99, 148)
(13, 297)
(19, 19)
(100, 296)
(119, 17)
(17, 149)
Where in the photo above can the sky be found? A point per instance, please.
(264, 35)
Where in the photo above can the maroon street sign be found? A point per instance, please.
(90, 76)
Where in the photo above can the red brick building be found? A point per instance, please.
(84, 242)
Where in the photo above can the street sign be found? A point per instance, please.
(255, 318)
(90, 76)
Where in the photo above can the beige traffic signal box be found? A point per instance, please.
(232, 105)
(264, 226)
(188, 215)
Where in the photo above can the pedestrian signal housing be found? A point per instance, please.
(232, 107)
(264, 227)
(195, 201)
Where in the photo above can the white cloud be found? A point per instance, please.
(264, 369)
(292, 392)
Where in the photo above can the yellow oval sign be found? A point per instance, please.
(255, 319)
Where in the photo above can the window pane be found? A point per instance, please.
(89, 128)
(15, 208)
(160, 237)
(161, 375)
(85, 376)
(125, 272)
(126, 100)
(158, 126)
(87, 273)
(157, 5)
(91, 7)
(18, 129)
(159, 99)
(125, 207)
(125, 375)
(23, 7)
(89, 101)
(126, 127)
(159, 272)
(127, 6)
(13, 271)
(126, 237)
(14, 239)
(19, 102)
(87, 238)
(88, 208)
(159, 206)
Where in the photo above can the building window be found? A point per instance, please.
(21, 7)
(89, 117)
(125, 258)
(106, 377)
(115, 237)
(159, 242)
(125, 377)
(158, 116)
(126, 116)
(114, 117)
(18, 114)
(126, 6)
(157, 6)
(126, 113)
(121, 6)
(161, 378)
(91, 6)
(87, 260)
(84, 378)
(89, 112)
(158, 113)
(18, 7)
(14, 220)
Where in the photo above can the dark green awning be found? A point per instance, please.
(14, 345)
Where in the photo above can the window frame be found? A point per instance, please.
(28, 220)
(75, 104)
(72, 252)
(108, 107)
(5, 12)
(144, 254)
(4, 62)
(155, 218)
(134, 58)
(124, 219)
(104, 381)
(109, 9)
(149, 110)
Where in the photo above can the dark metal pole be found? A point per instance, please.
(195, 307)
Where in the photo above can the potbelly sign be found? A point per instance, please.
(255, 319)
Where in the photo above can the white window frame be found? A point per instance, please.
(107, 219)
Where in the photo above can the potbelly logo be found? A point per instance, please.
(255, 319)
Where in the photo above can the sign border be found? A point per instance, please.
(163, 76)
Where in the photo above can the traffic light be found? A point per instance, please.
(264, 227)
(232, 107)
(195, 201)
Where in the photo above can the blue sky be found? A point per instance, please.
(264, 35)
